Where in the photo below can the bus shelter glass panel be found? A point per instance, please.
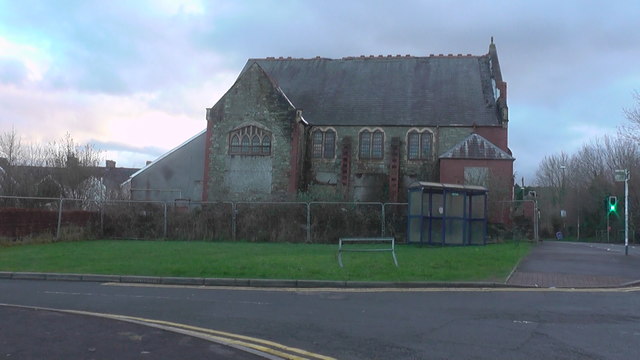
(435, 234)
(415, 216)
(478, 225)
(455, 204)
(437, 205)
(415, 198)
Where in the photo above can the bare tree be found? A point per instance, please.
(631, 130)
(11, 147)
(11, 153)
(585, 182)
(552, 173)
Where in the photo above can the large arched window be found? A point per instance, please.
(250, 141)
(371, 144)
(419, 145)
(323, 144)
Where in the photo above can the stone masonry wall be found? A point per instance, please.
(369, 178)
(252, 100)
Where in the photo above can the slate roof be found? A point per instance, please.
(475, 146)
(387, 91)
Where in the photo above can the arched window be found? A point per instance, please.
(323, 144)
(266, 145)
(245, 145)
(250, 141)
(377, 145)
(317, 144)
(371, 144)
(329, 150)
(235, 144)
(365, 144)
(419, 145)
(255, 144)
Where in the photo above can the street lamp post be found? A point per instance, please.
(563, 212)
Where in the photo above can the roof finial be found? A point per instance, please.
(492, 39)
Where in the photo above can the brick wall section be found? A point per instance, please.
(497, 135)
(252, 100)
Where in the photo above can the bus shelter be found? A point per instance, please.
(447, 214)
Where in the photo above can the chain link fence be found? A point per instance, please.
(44, 219)
(24, 219)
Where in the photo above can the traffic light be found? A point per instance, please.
(612, 204)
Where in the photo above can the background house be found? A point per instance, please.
(70, 181)
(175, 175)
(357, 128)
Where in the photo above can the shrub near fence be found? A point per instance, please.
(133, 220)
(41, 219)
(316, 222)
(200, 221)
(271, 222)
(395, 221)
(331, 221)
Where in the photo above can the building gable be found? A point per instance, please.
(475, 146)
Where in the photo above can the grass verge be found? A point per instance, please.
(265, 260)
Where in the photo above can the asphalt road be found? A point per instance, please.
(377, 324)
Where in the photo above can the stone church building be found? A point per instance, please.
(358, 128)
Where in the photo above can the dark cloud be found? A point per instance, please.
(567, 63)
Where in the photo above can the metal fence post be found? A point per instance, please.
(308, 222)
(165, 220)
(382, 219)
(59, 219)
(234, 211)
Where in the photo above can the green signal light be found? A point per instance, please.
(613, 204)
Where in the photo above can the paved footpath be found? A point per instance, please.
(578, 265)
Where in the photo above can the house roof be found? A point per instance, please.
(475, 146)
(388, 91)
(168, 153)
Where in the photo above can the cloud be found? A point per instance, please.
(141, 73)
(12, 71)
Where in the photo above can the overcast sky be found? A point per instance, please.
(134, 77)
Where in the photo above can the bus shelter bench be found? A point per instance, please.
(367, 240)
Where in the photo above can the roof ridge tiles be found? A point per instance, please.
(379, 56)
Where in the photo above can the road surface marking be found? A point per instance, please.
(241, 342)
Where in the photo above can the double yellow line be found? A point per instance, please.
(241, 342)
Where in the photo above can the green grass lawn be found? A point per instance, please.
(265, 260)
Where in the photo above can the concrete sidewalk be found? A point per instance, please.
(578, 265)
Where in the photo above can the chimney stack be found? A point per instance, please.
(110, 164)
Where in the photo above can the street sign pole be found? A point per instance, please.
(626, 212)
(623, 175)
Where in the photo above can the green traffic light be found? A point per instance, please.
(612, 201)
